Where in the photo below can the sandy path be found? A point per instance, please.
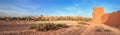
(10, 27)
(65, 31)
(92, 30)
(73, 30)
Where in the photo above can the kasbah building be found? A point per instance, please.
(112, 19)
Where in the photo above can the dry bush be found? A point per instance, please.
(83, 23)
(101, 29)
(107, 30)
(87, 19)
(48, 26)
(46, 18)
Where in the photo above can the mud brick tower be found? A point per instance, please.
(97, 14)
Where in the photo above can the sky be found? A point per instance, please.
(55, 7)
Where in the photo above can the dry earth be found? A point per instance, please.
(74, 29)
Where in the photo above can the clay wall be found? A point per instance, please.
(111, 18)
(97, 14)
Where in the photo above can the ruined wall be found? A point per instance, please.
(111, 18)
(98, 12)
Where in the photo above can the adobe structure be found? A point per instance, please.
(98, 12)
(112, 19)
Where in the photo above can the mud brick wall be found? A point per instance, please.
(111, 18)
(98, 12)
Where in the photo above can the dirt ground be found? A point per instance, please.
(74, 29)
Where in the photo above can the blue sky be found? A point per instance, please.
(55, 7)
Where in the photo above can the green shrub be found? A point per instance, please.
(48, 26)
